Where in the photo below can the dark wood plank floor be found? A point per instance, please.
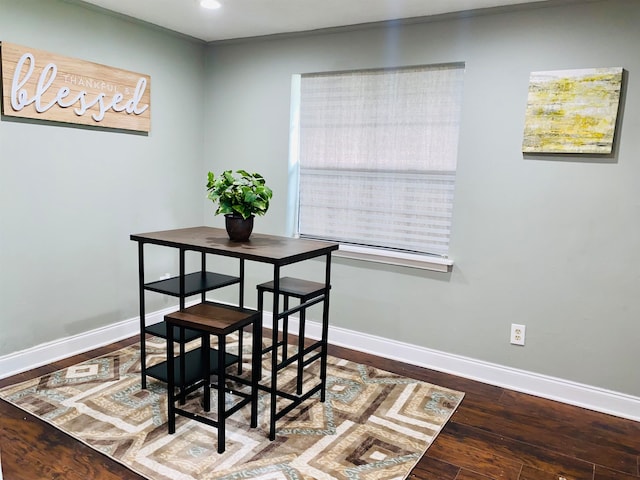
(495, 434)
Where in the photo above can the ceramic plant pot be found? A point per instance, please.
(238, 228)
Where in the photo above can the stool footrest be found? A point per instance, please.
(300, 355)
(210, 421)
(295, 400)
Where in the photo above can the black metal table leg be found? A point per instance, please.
(274, 353)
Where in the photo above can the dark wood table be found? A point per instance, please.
(269, 249)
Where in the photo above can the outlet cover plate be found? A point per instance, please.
(517, 334)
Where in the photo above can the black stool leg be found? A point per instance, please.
(300, 351)
(221, 392)
(285, 329)
(206, 374)
(256, 365)
(260, 307)
(240, 348)
(183, 373)
(171, 413)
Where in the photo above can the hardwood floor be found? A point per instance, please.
(494, 434)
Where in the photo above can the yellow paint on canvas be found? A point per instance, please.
(572, 111)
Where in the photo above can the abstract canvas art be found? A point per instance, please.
(572, 111)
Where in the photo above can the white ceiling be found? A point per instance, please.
(250, 18)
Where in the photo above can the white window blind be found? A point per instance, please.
(377, 156)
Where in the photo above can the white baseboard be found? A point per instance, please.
(565, 391)
(49, 352)
(572, 393)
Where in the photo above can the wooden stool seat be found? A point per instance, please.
(219, 320)
(295, 287)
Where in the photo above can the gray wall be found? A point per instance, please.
(551, 243)
(70, 197)
(548, 242)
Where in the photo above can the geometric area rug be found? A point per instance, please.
(373, 425)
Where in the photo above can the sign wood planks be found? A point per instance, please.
(45, 86)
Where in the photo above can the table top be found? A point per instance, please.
(260, 248)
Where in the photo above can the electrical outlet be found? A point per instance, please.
(517, 334)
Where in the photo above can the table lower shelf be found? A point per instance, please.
(193, 367)
(160, 330)
(194, 283)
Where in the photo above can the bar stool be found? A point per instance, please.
(194, 369)
(308, 293)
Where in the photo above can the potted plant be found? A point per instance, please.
(239, 197)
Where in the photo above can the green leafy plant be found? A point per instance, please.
(245, 194)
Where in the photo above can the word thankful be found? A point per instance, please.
(62, 89)
(79, 81)
(20, 98)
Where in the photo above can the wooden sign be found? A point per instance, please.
(45, 86)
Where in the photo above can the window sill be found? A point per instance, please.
(424, 262)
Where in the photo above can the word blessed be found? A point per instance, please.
(64, 98)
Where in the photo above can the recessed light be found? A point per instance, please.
(210, 4)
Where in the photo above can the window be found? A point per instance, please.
(377, 156)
